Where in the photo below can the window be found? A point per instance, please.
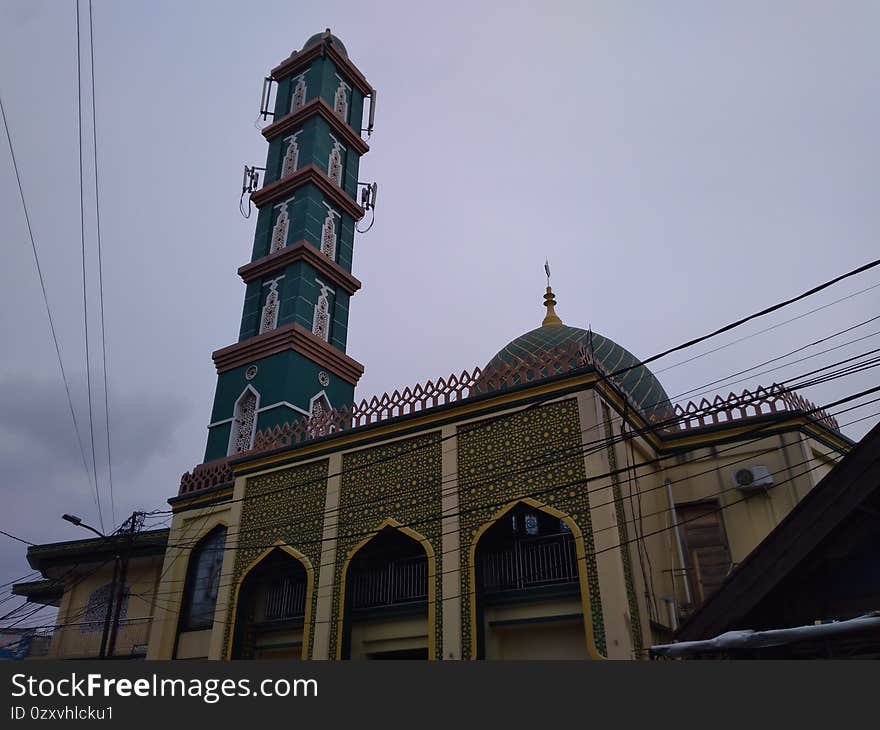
(291, 156)
(340, 101)
(269, 318)
(706, 556)
(334, 163)
(279, 232)
(203, 582)
(95, 614)
(244, 421)
(299, 93)
(321, 317)
(328, 235)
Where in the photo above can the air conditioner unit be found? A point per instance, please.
(750, 478)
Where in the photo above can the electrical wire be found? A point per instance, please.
(100, 268)
(46, 302)
(82, 229)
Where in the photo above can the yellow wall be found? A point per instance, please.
(635, 578)
(70, 640)
(370, 637)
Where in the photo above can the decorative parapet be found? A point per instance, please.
(215, 473)
(533, 367)
(748, 404)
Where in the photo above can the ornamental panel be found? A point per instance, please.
(401, 481)
(288, 506)
(534, 453)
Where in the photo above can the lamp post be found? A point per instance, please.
(74, 520)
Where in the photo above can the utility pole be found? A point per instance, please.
(103, 653)
(129, 528)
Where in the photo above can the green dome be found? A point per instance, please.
(319, 37)
(639, 383)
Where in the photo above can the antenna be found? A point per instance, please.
(250, 182)
(369, 192)
(265, 98)
(372, 119)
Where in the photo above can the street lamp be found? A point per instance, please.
(74, 520)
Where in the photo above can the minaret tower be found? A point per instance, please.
(290, 359)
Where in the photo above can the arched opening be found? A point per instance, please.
(244, 421)
(271, 609)
(528, 590)
(200, 595)
(386, 599)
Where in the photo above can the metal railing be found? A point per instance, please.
(396, 582)
(285, 598)
(529, 563)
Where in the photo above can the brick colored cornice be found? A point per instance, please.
(300, 59)
(311, 173)
(289, 337)
(300, 251)
(317, 107)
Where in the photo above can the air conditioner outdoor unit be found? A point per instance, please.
(750, 478)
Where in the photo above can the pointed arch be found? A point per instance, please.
(586, 598)
(203, 571)
(244, 421)
(390, 522)
(310, 585)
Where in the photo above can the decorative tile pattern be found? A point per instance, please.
(299, 93)
(244, 421)
(269, 318)
(291, 157)
(321, 316)
(623, 538)
(537, 453)
(334, 163)
(401, 481)
(284, 505)
(279, 231)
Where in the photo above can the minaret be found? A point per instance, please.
(290, 359)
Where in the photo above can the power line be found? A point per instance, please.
(82, 232)
(20, 539)
(767, 329)
(690, 343)
(100, 267)
(46, 302)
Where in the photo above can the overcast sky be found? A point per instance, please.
(681, 164)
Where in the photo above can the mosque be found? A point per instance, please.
(552, 503)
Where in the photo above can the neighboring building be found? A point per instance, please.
(30, 643)
(523, 509)
(80, 581)
(800, 590)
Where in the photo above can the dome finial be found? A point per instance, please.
(551, 320)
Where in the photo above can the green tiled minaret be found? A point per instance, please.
(290, 361)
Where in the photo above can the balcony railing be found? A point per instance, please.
(530, 563)
(285, 599)
(397, 582)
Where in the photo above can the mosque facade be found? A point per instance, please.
(552, 503)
